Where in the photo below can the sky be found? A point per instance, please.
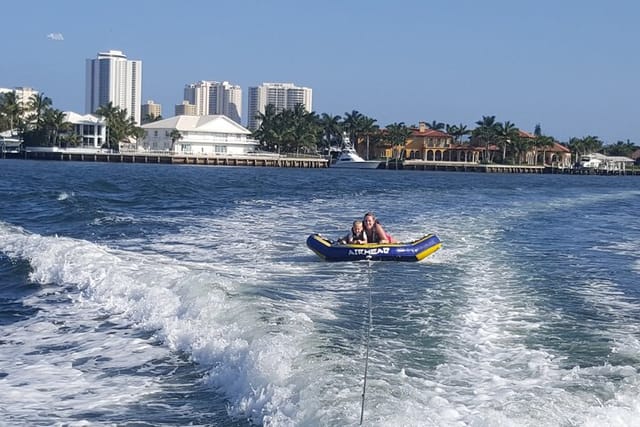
(571, 66)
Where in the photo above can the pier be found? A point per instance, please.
(298, 161)
(426, 165)
(260, 160)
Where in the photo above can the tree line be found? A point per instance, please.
(37, 123)
(299, 131)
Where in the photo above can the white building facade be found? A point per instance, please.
(23, 94)
(90, 128)
(214, 98)
(198, 135)
(281, 95)
(113, 78)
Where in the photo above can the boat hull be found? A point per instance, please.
(365, 164)
(409, 252)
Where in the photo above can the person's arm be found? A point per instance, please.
(381, 233)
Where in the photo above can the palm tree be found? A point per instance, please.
(71, 139)
(506, 133)
(55, 122)
(149, 118)
(398, 134)
(266, 133)
(368, 127)
(485, 134)
(38, 105)
(621, 148)
(457, 131)
(351, 124)
(544, 142)
(107, 110)
(12, 109)
(175, 135)
(120, 127)
(305, 130)
(436, 125)
(331, 129)
(592, 144)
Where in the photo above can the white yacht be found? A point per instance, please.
(349, 158)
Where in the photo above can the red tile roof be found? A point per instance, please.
(559, 147)
(525, 134)
(430, 133)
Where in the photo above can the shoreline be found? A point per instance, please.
(293, 161)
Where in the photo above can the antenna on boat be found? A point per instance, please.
(366, 359)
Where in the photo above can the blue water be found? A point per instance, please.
(168, 295)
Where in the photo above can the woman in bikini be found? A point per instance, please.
(374, 231)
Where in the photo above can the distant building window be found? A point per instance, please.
(220, 149)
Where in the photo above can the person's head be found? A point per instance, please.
(357, 227)
(369, 220)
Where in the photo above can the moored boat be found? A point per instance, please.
(349, 158)
(416, 250)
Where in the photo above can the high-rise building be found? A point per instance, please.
(281, 95)
(23, 96)
(113, 78)
(151, 110)
(211, 98)
(186, 109)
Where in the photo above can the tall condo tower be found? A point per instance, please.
(212, 97)
(281, 95)
(113, 78)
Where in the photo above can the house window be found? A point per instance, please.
(220, 149)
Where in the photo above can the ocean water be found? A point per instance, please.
(172, 295)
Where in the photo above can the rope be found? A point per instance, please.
(366, 359)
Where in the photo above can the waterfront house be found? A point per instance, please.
(206, 135)
(89, 130)
(600, 162)
(82, 133)
(433, 145)
(555, 155)
(9, 143)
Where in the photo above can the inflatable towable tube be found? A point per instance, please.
(412, 251)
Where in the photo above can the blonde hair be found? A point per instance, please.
(357, 223)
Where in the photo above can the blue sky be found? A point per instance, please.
(572, 66)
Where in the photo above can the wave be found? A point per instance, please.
(200, 312)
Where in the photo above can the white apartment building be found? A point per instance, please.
(213, 98)
(23, 94)
(206, 135)
(113, 78)
(281, 95)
